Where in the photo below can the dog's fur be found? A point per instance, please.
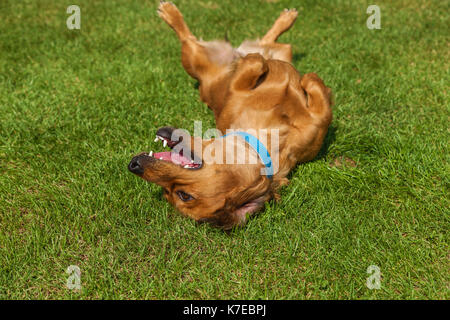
(251, 87)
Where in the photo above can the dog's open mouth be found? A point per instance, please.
(182, 158)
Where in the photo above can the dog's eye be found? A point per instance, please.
(184, 196)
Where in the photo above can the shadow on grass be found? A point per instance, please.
(327, 142)
(298, 56)
(196, 85)
(323, 153)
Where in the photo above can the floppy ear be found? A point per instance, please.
(250, 71)
(245, 202)
(319, 95)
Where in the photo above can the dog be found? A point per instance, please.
(250, 88)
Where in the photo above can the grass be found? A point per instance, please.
(76, 105)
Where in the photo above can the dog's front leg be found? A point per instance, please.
(250, 72)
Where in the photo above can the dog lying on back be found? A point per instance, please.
(253, 88)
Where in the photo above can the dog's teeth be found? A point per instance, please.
(156, 139)
(160, 158)
(151, 154)
(186, 166)
(165, 143)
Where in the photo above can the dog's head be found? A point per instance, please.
(206, 189)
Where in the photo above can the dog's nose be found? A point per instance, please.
(135, 165)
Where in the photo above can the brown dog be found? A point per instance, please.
(252, 88)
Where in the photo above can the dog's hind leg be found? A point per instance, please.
(173, 17)
(279, 51)
(281, 25)
(207, 62)
(200, 59)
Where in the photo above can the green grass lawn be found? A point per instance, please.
(76, 105)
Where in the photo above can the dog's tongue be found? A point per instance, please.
(172, 157)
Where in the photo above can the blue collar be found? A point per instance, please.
(259, 147)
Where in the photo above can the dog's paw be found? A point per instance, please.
(169, 12)
(287, 17)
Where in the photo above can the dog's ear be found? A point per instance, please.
(319, 95)
(250, 72)
(241, 204)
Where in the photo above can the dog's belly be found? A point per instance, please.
(222, 53)
(252, 47)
